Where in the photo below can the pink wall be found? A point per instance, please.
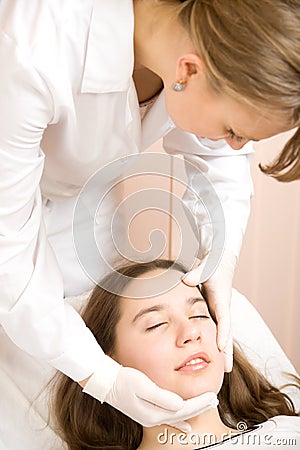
(268, 271)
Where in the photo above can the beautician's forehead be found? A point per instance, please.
(255, 124)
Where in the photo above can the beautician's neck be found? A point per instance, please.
(203, 425)
(159, 40)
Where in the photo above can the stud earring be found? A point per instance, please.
(178, 86)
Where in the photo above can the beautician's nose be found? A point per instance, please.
(234, 144)
(188, 332)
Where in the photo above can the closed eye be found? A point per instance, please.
(157, 325)
(160, 324)
(232, 135)
(199, 316)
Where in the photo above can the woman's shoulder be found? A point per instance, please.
(279, 430)
(282, 423)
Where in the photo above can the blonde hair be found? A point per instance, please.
(251, 50)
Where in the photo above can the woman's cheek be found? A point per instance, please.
(129, 349)
(154, 360)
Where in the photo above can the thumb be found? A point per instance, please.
(192, 278)
(222, 313)
(204, 270)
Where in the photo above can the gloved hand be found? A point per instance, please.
(217, 290)
(133, 393)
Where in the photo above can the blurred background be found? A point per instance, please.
(268, 271)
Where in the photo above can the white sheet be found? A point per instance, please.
(23, 421)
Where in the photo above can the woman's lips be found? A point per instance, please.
(194, 363)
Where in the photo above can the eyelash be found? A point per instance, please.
(153, 327)
(234, 136)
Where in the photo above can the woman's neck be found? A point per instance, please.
(159, 39)
(207, 429)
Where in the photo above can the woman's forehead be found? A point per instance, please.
(159, 286)
(152, 283)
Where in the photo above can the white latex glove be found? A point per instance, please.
(218, 290)
(134, 394)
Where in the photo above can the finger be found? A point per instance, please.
(195, 406)
(161, 397)
(200, 404)
(185, 427)
(222, 313)
(228, 353)
(192, 278)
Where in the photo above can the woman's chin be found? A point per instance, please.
(189, 393)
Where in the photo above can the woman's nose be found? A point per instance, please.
(188, 332)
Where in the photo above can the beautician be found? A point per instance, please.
(214, 75)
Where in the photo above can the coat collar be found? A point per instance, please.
(110, 50)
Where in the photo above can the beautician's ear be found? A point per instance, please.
(188, 66)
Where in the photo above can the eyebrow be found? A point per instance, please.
(163, 307)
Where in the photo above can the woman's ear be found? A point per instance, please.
(188, 66)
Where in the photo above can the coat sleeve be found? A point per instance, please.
(218, 188)
(32, 309)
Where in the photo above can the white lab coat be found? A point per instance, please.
(68, 107)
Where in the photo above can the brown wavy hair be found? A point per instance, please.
(85, 424)
(251, 52)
